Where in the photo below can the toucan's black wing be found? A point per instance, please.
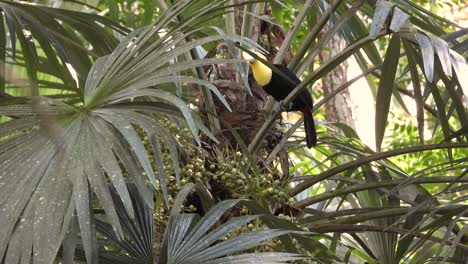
(292, 78)
(281, 84)
(304, 99)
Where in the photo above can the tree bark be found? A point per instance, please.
(340, 107)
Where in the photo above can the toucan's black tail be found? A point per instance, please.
(309, 126)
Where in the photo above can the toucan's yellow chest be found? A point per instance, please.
(261, 73)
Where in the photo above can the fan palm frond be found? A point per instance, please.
(70, 151)
(191, 239)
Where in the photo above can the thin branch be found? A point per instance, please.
(428, 108)
(247, 20)
(230, 19)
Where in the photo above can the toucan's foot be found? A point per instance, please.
(277, 110)
(284, 107)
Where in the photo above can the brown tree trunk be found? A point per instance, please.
(339, 108)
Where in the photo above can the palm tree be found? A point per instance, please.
(102, 126)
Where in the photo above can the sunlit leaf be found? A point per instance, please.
(382, 10)
(399, 19)
(427, 51)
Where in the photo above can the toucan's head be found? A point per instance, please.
(261, 72)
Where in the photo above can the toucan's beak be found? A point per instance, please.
(247, 57)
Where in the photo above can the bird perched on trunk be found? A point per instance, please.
(280, 86)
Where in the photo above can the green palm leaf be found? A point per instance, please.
(189, 239)
(71, 151)
(54, 48)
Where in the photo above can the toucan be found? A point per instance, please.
(279, 86)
